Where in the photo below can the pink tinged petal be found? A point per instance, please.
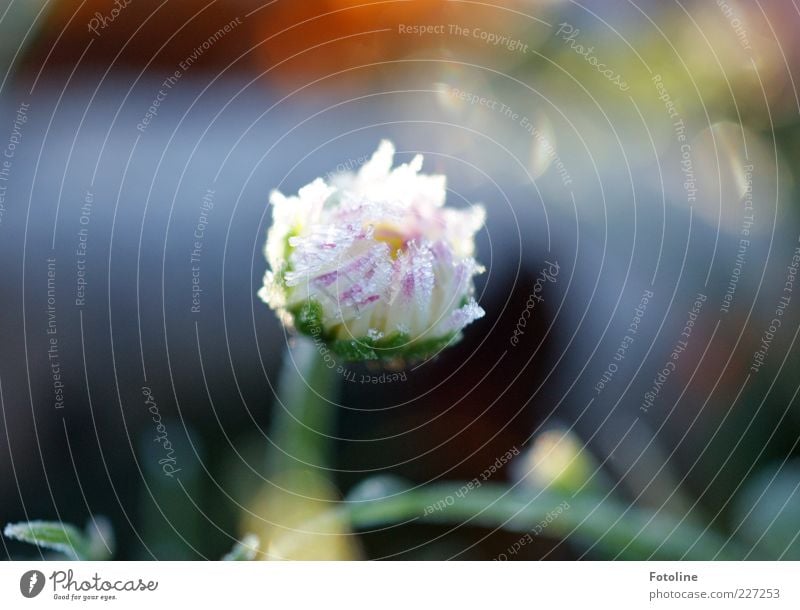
(364, 279)
(463, 273)
(355, 297)
(326, 279)
(465, 315)
(442, 253)
(322, 248)
(417, 278)
(408, 285)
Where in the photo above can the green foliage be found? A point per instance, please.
(600, 524)
(244, 550)
(767, 512)
(96, 543)
(308, 320)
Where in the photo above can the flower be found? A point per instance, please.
(373, 264)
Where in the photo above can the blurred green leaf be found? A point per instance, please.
(377, 488)
(767, 512)
(95, 544)
(101, 538)
(244, 550)
(60, 537)
(601, 523)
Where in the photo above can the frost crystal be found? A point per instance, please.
(374, 263)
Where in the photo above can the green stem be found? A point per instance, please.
(303, 418)
(300, 435)
(298, 459)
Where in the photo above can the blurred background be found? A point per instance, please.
(647, 148)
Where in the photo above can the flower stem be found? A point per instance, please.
(303, 417)
(299, 460)
(307, 520)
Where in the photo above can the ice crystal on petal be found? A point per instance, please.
(415, 275)
(465, 315)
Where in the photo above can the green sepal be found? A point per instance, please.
(397, 345)
(308, 318)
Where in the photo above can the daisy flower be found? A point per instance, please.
(374, 264)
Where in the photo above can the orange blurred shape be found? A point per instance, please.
(330, 39)
(290, 41)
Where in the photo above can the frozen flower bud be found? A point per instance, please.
(373, 264)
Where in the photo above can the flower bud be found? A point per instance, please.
(373, 264)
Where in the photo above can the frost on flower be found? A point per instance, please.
(374, 264)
